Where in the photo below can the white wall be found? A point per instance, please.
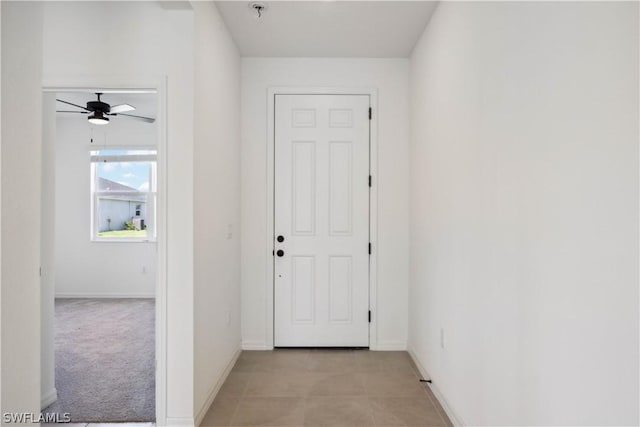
(524, 212)
(390, 77)
(20, 181)
(141, 45)
(0, 204)
(216, 204)
(85, 268)
(48, 392)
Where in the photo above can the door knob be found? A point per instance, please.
(280, 239)
(280, 252)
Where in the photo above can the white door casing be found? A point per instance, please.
(160, 86)
(321, 210)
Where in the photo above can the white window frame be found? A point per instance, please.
(151, 194)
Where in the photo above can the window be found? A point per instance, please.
(123, 195)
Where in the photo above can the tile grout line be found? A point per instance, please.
(434, 405)
(235, 411)
(244, 391)
(371, 410)
(424, 386)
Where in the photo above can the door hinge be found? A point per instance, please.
(369, 316)
(370, 113)
(369, 248)
(369, 180)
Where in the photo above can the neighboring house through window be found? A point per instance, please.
(123, 189)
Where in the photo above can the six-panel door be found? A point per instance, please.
(321, 212)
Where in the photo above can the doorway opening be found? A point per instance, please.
(102, 233)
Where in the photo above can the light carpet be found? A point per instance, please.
(105, 358)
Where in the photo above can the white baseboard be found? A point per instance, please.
(390, 346)
(72, 295)
(255, 345)
(48, 398)
(216, 388)
(453, 417)
(179, 422)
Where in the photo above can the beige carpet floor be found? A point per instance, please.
(105, 354)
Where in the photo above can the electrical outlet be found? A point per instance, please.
(441, 337)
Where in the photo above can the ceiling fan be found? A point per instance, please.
(99, 111)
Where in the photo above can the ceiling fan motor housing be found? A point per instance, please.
(98, 106)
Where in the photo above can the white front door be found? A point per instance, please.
(321, 221)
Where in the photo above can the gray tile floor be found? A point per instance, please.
(324, 388)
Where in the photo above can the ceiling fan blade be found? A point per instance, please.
(121, 108)
(131, 116)
(70, 103)
(67, 111)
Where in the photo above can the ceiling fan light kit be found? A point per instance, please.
(98, 118)
(99, 111)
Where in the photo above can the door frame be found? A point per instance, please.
(160, 88)
(373, 200)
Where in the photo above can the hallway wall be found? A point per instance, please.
(390, 77)
(216, 204)
(524, 212)
(143, 44)
(20, 181)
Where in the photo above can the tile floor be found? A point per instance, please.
(324, 388)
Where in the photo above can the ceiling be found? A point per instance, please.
(372, 29)
(145, 103)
